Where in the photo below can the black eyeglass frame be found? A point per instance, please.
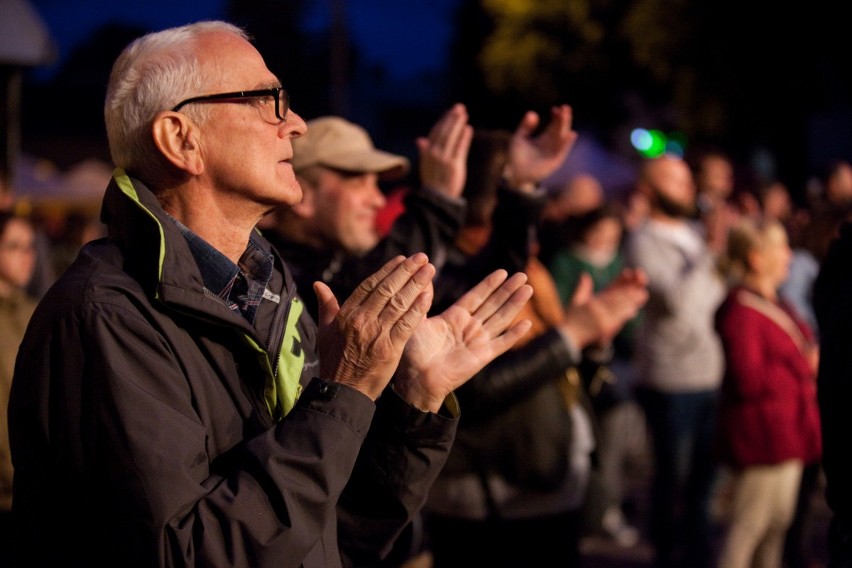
(274, 92)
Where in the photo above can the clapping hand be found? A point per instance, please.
(531, 159)
(448, 349)
(361, 342)
(443, 154)
(382, 326)
(597, 318)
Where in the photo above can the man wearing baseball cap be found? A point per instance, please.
(338, 144)
(332, 235)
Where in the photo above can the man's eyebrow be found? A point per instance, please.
(269, 85)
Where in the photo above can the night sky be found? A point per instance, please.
(403, 37)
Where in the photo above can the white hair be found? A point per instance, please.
(154, 73)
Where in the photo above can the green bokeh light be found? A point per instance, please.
(651, 143)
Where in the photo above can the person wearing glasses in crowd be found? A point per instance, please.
(174, 404)
(17, 265)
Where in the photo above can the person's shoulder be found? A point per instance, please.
(646, 235)
(733, 307)
(803, 260)
(565, 256)
(98, 274)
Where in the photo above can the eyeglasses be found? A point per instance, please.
(278, 94)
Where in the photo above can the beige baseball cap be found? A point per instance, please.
(336, 143)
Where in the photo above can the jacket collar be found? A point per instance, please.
(157, 254)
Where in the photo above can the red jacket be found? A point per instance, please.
(768, 409)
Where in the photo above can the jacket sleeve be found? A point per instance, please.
(130, 466)
(515, 222)
(404, 452)
(509, 246)
(429, 224)
(515, 374)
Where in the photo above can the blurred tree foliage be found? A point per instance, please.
(64, 116)
(729, 73)
(739, 75)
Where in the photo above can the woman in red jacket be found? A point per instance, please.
(769, 419)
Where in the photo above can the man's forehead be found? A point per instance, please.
(234, 62)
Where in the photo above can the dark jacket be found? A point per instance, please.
(832, 299)
(538, 364)
(515, 454)
(141, 434)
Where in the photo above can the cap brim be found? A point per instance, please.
(387, 165)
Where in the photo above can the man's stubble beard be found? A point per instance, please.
(674, 208)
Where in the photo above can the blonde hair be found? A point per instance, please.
(745, 237)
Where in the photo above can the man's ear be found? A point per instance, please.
(176, 136)
(305, 208)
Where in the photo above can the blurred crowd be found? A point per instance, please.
(716, 373)
(677, 374)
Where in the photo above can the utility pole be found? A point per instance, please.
(339, 59)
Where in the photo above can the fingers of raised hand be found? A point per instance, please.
(327, 303)
(399, 292)
(406, 308)
(462, 146)
(505, 341)
(496, 300)
(528, 123)
(561, 117)
(632, 277)
(497, 313)
(583, 291)
(474, 297)
(558, 134)
(451, 134)
(622, 302)
(363, 291)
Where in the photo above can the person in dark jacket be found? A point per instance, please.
(173, 404)
(513, 486)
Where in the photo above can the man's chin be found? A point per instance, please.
(362, 247)
(291, 193)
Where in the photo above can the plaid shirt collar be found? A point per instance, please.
(240, 286)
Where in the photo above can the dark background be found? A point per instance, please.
(769, 83)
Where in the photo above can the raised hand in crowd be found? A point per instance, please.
(443, 153)
(532, 158)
